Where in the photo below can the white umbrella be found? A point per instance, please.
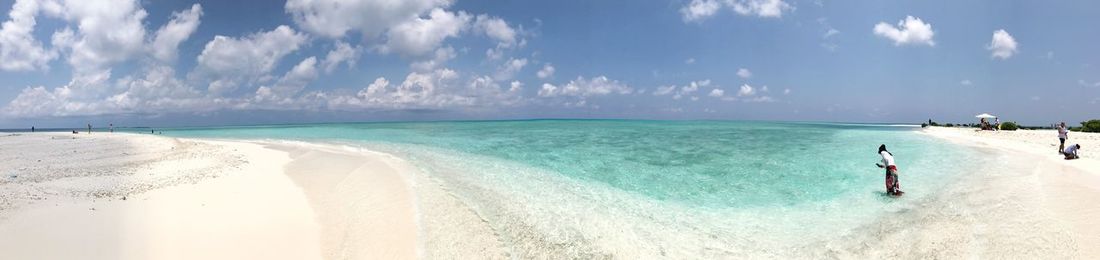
(985, 115)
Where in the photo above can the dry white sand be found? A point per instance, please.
(129, 196)
(135, 196)
(1062, 193)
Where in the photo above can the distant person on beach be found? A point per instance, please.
(1071, 151)
(1063, 134)
(892, 186)
(89, 128)
(112, 127)
(32, 129)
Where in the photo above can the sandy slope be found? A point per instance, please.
(1065, 191)
(129, 196)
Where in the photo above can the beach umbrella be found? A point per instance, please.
(985, 115)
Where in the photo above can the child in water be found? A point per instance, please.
(892, 186)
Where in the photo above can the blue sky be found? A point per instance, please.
(176, 63)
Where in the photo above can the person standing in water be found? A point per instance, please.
(1063, 134)
(892, 186)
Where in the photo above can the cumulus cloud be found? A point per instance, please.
(104, 35)
(510, 68)
(495, 28)
(442, 55)
(1003, 45)
(717, 93)
(226, 61)
(423, 34)
(746, 90)
(169, 36)
(546, 71)
(290, 84)
(334, 18)
(102, 38)
(679, 92)
(761, 8)
(697, 10)
(19, 50)
(341, 53)
(744, 73)
(581, 87)
(910, 31)
(441, 88)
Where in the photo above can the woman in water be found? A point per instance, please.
(892, 186)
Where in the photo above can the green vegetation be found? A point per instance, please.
(1010, 126)
(1090, 126)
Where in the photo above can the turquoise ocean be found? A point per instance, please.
(592, 188)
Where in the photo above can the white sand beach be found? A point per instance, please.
(131, 196)
(135, 196)
(1063, 192)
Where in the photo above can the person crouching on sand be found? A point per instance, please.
(892, 186)
(1071, 151)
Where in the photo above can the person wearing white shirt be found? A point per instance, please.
(1071, 151)
(892, 186)
(1063, 134)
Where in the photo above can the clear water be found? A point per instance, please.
(677, 185)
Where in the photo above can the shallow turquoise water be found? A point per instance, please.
(699, 163)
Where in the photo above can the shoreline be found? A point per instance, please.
(1064, 191)
(200, 197)
(131, 196)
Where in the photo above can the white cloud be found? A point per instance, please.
(441, 88)
(698, 10)
(546, 71)
(689, 61)
(679, 92)
(515, 86)
(830, 32)
(494, 53)
(442, 55)
(746, 90)
(334, 18)
(510, 68)
(19, 51)
(341, 53)
(168, 37)
(910, 31)
(786, 91)
(965, 82)
(717, 93)
(226, 61)
(761, 8)
(104, 35)
(581, 87)
(496, 28)
(744, 73)
(1003, 45)
(290, 84)
(664, 90)
(423, 34)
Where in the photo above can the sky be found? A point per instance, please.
(197, 63)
